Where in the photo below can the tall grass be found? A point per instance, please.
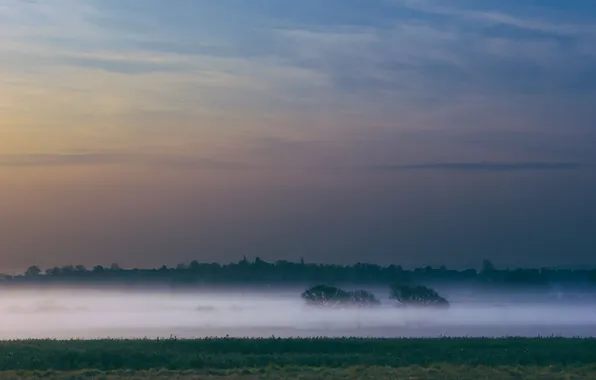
(229, 354)
(442, 372)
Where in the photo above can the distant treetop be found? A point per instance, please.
(285, 272)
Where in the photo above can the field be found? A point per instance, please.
(460, 358)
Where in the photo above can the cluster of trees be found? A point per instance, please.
(331, 296)
(417, 296)
(260, 271)
(323, 295)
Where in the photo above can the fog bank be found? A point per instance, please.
(69, 313)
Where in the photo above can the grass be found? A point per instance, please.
(445, 372)
(346, 358)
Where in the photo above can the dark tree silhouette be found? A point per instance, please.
(363, 298)
(80, 268)
(526, 277)
(98, 269)
(283, 272)
(487, 267)
(33, 271)
(330, 296)
(593, 276)
(115, 267)
(323, 295)
(417, 296)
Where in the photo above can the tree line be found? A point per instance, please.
(280, 272)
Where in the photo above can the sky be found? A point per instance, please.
(414, 132)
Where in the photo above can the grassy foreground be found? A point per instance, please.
(445, 371)
(511, 358)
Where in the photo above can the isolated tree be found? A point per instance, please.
(416, 296)
(115, 267)
(194, 265)
(33, 271)
(487, 267)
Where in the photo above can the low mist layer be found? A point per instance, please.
(69, 313)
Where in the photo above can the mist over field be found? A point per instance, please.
(87, 313)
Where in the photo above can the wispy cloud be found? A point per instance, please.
(109, 158)
(496, 17)
(22, 160)
(403, 65)
(486, 166)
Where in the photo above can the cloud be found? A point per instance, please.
(487, 166)
(496, 17)
(382, 59)
(122, 67)
(445, 56)
(108, 158)
(182, 161)
(401, 65)
(19, 160)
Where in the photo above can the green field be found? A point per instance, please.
(461, 358)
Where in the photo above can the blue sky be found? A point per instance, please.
(478, 92)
